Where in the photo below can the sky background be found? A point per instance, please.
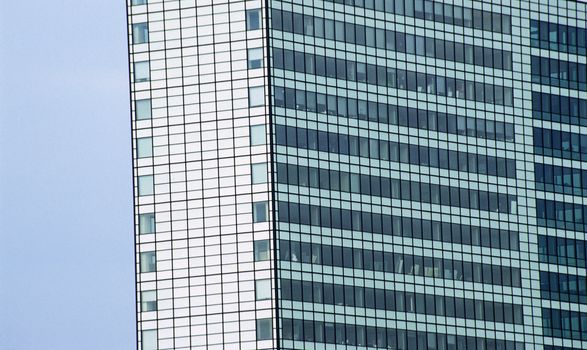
(66, 241)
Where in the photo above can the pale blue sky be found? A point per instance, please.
(66, 242)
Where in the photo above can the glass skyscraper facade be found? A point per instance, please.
(342, 174)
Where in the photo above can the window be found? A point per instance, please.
(255, 58)
(148, 301)
(140, 33)
(279, 96)
(139, 2)
(254, 19)
(149, 340)
(259, 173)
(260, 212)
(256, 96)
(144, 147)
(264, 329)
(143, 109)
(263, 289)
(142, 71)
(148, 262)
(257, 135)
(261, 250)
(146, 186)
(147, 223)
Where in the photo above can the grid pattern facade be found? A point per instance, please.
(341, 174)
(194, 157)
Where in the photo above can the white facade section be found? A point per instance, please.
(192, 119)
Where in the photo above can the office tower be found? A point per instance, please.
(341, 174)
